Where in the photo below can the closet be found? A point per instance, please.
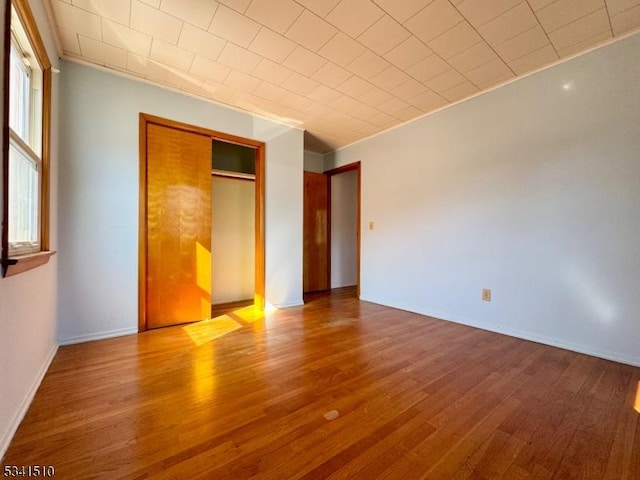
(201, 238)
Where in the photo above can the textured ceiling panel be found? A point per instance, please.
(341, 69)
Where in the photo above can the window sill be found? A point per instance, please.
(23, 263)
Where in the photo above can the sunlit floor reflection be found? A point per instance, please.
(637, 404)
(208, 330)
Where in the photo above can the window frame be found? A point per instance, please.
(19, 261)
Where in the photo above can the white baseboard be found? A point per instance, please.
(525, 335)
(297, 303)
(7, 436)
(98, 336)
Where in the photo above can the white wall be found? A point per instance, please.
(232, 240)
(99, 196)
(313, 162)
(28, 300)
(531, 190)
(344, 197)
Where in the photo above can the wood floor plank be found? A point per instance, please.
(244, 396)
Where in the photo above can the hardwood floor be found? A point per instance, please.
(245, 397)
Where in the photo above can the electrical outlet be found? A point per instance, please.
(486, 294)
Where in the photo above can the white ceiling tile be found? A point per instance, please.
(587, 27)
(534, 60)
(391, 78)
(221, 93)
(479, 12)
(455, 40)
(69, 41)
(183, 81)
(354, 86)
(171, 55)
(120, 36)
(508, 25)
(533, 39)
(375, 97)
(460, 91)
(270, 92)
(346, 104)
(77, 20)
(278, 15)
(237, 5)
(428, 68)
(272, 45)
(319, 7)
(408, 53)
(383, 120)
(300, 84)
(153, 22)
(201, 42)
(384, 35)
(472, 57)
(239, 58)
(434, 20)
(317, 110)
(408, 113)
(271, 72)
(368, 65)
(92, 50)
(298, 102)
(489, 73)
(614, 7)
(331, 74)
(538, 4)
(394, 106)
(311, 31)
(324, 94)
(195, 12)
(342, 49)
(203, 67)
(145, 67)
(445, 81)
(241, 81)
(116, 11)
(304, 61)
(563, 12)
(409, 90)
(427, 101)
(234, 27)
(585, 44)
(402, 10)
(354, 16)
(626, 21)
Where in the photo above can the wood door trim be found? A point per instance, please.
(335, 171)
(259, 147)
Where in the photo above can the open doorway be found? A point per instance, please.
(332, 229)
(232, 227)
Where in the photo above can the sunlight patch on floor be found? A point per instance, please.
(208, 330)
(637, 404)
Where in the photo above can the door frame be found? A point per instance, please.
(336, 171)
(259, 147)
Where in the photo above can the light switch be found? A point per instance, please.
(370, 225)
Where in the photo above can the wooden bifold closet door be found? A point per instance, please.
(178, 270)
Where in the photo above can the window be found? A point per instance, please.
(25, 225)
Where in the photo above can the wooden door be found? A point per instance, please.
(316, 235)
(178, 270)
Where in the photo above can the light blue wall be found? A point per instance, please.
(98, 252)
(531, 190)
